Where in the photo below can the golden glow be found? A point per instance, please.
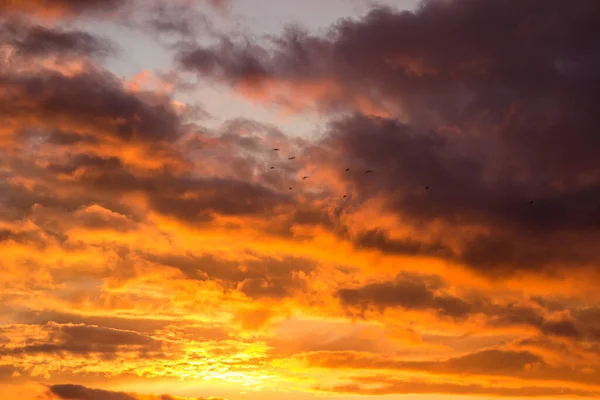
(143, 253)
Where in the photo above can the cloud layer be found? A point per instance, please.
(142, 244)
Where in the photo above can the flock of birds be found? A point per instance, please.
(368, 171)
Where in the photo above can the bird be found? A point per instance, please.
(426, 187)
(275, 149)
(348, 170)
(368, 171)
(290, 188)
(344, 197)
(272, 168)
(291, 158)
(531, 202)
(304, 177)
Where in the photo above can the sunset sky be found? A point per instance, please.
(155, 246)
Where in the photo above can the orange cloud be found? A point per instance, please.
(140, 247)
(60, 8)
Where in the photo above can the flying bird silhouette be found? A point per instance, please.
(291, 158)
(368, 171)
(275, 149)
(272, 168)
(290, 188)
(348, 169)
(304, 177)
(426, 187)
(344, 197)
(531, 202)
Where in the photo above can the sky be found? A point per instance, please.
(264, 200)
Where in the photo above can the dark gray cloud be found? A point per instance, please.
(406, 161)
(79, 392)
(207, 173)
(24, 237)
(108, 110)
(379, 239)
(413, 292)
(19, 203)
(225, 185)
(499, 103)
(37, 40)
(262, 278)
(85, 340)
(190, 199)
(84, 161)
(47, 112)
(408, 292)
(226, 196)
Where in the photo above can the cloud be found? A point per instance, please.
(407, 161)
(39, 40)
(255, 277)
(79, 392)
(141, 240)
(482, 120)
(387, 386)
(78, 339)
(379, 239)
(113, 142)
(71, 351)
(42, 317)
(414, 292)
(116, 141)
(178, 19)
(84, 393)
(486, 362)
(110, 110)
(61, 8)
(430, 49)
(407, 292)
(500, 364)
